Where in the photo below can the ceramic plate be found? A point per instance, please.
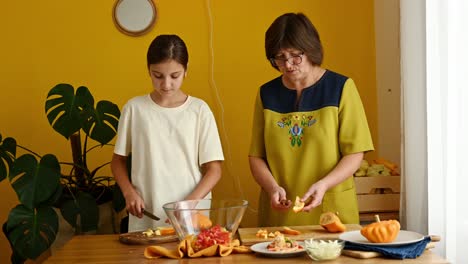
(404, 237)
(262, 249)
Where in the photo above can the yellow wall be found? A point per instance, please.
(49, 42)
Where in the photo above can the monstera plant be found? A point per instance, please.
(42, 182)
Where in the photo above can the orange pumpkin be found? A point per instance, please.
(331, 222)
(381, 231)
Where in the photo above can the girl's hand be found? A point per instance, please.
(278, 199)
(314, 196)
(134, 203)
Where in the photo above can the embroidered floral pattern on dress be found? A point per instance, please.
(296, 125)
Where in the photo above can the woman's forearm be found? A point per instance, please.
(262, 174)
(345, 168)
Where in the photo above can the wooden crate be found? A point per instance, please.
(371, 203)
(364, 185)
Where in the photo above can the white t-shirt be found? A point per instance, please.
(168, 147)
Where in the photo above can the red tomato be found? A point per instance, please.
(215, 235)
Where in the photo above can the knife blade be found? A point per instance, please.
(150, 215)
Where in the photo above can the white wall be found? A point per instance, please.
(434, 78)
(387, 51)
(413, 83)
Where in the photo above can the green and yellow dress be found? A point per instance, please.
(303, 142)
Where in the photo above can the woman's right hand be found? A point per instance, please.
(134, 203)
(278, 199)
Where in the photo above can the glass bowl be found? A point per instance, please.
(324, 249)
(190, 217)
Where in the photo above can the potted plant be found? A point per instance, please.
(41, 182)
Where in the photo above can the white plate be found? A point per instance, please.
(404, 237)
(261, 248)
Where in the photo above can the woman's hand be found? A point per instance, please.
(263, 176)
(343, 170)
(314, 196)
(134, 203)
(278, 199)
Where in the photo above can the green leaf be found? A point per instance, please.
(63, 108)
(70, 211)
(55, 196)
(89, 212)
(101, 123)
(15, 257)
(35, 183)
(31, 232)
(7, 156)
(86, 208)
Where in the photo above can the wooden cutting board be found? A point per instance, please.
(138, 238)
(248, 236)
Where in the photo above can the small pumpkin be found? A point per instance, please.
(381, 231)
(331, 222)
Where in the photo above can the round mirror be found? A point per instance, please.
(134, 17)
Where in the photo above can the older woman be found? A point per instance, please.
(309, 132)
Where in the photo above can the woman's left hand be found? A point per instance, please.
(314, 196)
(278, 200)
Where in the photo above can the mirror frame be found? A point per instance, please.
(136, 33)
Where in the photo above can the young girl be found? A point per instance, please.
(173, 138)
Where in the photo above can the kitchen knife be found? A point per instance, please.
(150, 215)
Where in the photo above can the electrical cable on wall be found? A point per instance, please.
(218, 98)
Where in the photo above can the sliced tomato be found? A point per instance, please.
(215, 235)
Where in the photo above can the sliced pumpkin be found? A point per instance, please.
(290, 231)
(166, 230)
(298, 205)
(331, 222)
(201, 221)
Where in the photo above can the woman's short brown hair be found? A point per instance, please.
(293, 31)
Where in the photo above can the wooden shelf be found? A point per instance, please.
(370, 202)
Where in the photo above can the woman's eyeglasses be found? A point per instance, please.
(294, 59)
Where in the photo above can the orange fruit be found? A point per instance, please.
(298, 205)
(331, 222)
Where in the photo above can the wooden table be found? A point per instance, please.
(108, 249)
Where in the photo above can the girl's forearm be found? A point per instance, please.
(211, 175)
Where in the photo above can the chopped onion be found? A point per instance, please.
(323, 249)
